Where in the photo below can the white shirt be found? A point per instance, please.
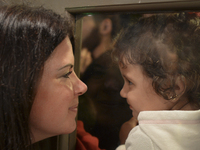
(165, 130)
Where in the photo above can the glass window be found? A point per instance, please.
(102, 109)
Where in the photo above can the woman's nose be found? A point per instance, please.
(79, 87)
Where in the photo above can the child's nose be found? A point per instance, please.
(123, 92)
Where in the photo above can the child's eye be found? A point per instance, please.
(67, 75)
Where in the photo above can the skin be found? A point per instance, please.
(140, 94)
(126, 128)
(55, 106)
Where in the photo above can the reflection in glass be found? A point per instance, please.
(102, 109)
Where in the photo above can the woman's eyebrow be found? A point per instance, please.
(68, 65)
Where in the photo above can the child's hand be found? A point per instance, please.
(126, 128)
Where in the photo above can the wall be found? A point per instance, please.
(60, 5)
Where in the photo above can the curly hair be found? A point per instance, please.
(28, 36)
(166, 46)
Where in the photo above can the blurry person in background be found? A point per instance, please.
(98, 32)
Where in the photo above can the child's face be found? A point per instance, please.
(139, 92)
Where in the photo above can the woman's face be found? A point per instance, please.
(139, 92)
(55, 106)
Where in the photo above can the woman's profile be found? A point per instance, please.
(38, 87)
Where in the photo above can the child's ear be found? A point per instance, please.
(180, 85)
(106, 26)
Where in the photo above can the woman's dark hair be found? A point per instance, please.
(167, 47)
(28, 36)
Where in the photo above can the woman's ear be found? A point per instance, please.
(106, 27)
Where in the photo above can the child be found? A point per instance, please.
(159, 59)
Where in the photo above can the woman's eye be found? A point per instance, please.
(67, 75)
(129, 82)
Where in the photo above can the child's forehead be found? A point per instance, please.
(123, 62)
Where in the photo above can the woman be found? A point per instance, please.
(159, 60)
(38, 86)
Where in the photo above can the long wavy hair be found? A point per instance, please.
(166, 46)
(28, 36)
